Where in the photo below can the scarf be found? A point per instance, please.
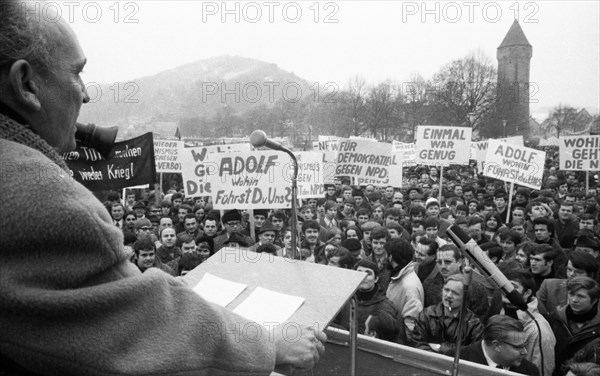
(582, 317)
(13, 131)
(365, 296)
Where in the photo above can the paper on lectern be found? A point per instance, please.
(268, 308)
(218, 290)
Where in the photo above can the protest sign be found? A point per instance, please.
(513, 163)
(310, 174)
(439, 145)
(167, 155)
(247, 180)
(131, 163)
(239, 180)
(406, 152)
(369, 162)
(326, 143)
(479, 149)
(579, 153)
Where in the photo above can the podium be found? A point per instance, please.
(325, 289)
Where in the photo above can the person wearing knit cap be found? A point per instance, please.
(405, 289)
(142, 227)
(232, 222)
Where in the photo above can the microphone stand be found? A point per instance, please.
(459, 332)
(294, 219)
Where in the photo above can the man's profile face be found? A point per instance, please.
(62, 91)
(511, 349)
(539, 265)
(537, 211)
(563, 189)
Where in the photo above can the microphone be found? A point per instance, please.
(259, 139)
(101, 139)
(486, 266)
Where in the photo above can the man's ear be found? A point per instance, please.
(527, 294)
(26, 90)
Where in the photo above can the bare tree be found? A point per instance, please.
(562, 118)
(464, 91)
(380, 108)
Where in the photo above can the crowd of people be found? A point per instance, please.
(546, 243)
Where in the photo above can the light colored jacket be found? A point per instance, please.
(406, 292)
(532, 338)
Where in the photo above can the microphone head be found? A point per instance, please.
(258, 138)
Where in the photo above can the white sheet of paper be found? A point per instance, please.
(218, 290)
(268, 308)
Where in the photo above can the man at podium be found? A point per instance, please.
(71, 303)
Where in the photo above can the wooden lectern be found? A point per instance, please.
(325, 289)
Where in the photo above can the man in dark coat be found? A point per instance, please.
(503, 346)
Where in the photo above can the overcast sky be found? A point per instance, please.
(334, 41)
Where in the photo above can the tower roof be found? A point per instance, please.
(515, 37)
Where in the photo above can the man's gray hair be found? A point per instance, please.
(23, 34)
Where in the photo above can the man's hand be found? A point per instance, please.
(303, 352)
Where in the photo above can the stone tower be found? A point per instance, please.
(512, 106)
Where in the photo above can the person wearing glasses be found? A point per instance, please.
(232, 222)
(436, 327)
(503, 346)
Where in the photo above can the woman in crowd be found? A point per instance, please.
(492, 224)
(353, 232)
